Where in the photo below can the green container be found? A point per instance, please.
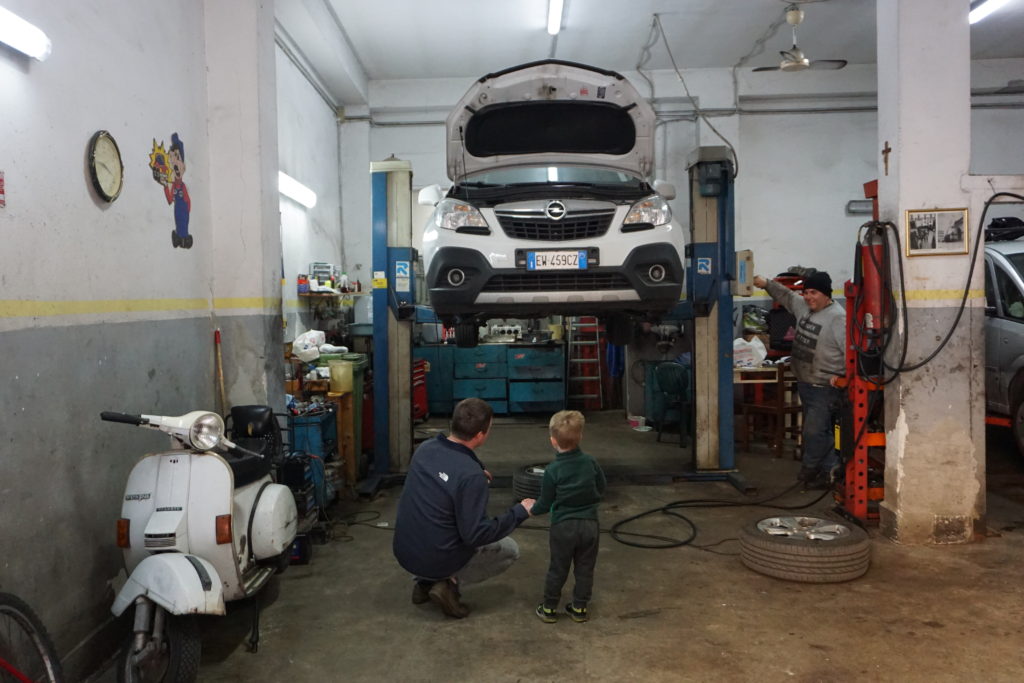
(359, 362)
(326, 358)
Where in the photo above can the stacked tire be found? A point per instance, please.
(805, 549)
(526, 481)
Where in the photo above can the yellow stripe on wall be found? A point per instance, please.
(14, 308)
(936, 294)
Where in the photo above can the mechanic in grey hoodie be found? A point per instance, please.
(819, 362)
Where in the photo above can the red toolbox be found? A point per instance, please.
(420, 367)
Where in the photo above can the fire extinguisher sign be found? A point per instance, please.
(3, 196)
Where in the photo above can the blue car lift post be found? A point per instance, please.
(393, 288)
(711, 270)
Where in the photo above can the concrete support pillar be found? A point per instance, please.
(934, 416)
(246, 248)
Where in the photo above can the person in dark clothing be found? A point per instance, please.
(571, 489)
(443, 535)
(818, 361)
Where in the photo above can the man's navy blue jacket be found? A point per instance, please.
(442, 514)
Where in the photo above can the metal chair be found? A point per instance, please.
(673, 382)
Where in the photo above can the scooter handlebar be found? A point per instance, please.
(123, 417)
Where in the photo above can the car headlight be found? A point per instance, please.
(653, 210)
(206, 432)
(452, 214)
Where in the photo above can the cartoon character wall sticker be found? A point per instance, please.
(168, 168)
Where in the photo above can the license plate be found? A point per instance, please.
(575, 259)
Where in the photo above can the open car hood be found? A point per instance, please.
(551, 113)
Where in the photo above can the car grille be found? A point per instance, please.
(556, 282)
(577, 225)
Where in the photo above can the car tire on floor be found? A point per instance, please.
(526, 481)
(805, 549)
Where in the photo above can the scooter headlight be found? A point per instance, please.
(452, 214)
(653, 210)
(206, 432)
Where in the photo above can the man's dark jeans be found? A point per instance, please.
(821, 406)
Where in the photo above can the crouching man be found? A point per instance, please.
(443, 536)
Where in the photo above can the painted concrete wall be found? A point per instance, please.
(308, 145)
(98, 311)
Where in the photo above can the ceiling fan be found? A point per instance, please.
(793, 59)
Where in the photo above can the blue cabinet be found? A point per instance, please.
(439, 378)
(536, 378)
(513, 378)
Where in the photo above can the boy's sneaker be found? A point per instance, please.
(546, 614)
(578, 614)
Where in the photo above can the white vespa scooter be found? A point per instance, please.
(198, 529)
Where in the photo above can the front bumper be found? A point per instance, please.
(518, 292)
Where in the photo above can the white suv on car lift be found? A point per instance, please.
(1004, 322)
(551, 211)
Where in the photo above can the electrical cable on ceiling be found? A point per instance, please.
(693, 100)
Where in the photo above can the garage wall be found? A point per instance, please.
(98, 311)
(308, 149)
(797, 170)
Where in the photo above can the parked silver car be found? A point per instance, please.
(1004, 323)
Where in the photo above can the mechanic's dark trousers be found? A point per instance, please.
(821, 406)
(573, 542)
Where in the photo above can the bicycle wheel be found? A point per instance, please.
(26, 653)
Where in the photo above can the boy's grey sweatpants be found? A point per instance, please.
(573, 542)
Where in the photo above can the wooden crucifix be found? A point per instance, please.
(885, 155)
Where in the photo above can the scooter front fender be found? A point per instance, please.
(180, 583)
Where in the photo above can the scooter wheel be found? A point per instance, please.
(177, 658)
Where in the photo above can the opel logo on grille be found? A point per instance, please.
(555, 210)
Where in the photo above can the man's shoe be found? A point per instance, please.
(578, 614)
(421, 592)
(546, 614)
(444, 596)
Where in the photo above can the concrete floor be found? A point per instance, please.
(685, 614)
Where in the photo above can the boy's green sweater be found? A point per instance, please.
(572, 487)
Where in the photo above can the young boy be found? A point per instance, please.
(571, 489)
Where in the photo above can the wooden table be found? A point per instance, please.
(345, 420)
(773, 394)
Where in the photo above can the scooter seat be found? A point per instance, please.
(247, 468)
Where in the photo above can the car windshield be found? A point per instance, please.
(570, 175)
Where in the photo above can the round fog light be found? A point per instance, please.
(456, 277)
(656, 273)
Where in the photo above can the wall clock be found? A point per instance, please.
(105, 166)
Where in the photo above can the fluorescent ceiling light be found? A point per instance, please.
(984, 8)
(293, 189)
(554, 16)
(23, 36)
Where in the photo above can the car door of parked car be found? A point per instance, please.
(1004, 334)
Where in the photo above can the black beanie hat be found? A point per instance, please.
(819, 281)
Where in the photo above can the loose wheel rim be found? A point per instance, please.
(811, 528)
(22, 648)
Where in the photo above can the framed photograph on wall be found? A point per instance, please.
(932, 232)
